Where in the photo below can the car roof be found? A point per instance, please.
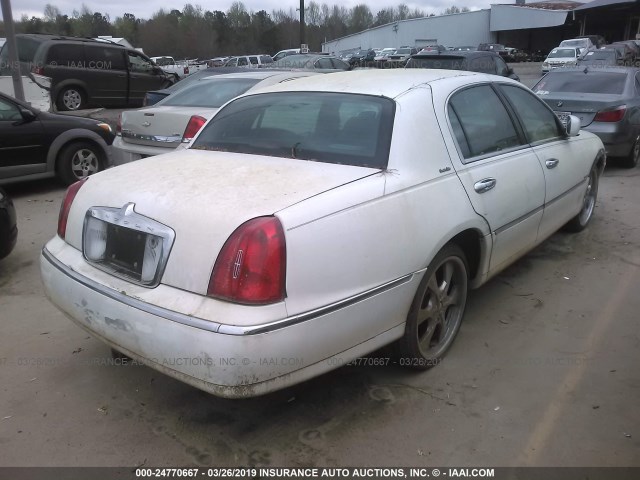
(388, 83)
(459, 54)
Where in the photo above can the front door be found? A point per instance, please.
(22, 150)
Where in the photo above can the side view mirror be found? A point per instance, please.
(573, 126)
(27, 115)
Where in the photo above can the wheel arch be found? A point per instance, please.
(477, 249)
(72, 82)
(76, 135)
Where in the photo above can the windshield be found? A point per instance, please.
(562, 53)
(338, 128)
(210, 93)
(579, 82)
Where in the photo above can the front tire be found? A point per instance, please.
(71, 99)
(437, 310)
(78, 160)
(582, 219)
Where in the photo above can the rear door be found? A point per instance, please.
(106, 72)
(499, 171)
(22, 147)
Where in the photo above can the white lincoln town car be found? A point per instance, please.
(312, 222)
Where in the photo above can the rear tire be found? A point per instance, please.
(631, 160)
(71, 99)
(78, 160)
(436, 311)
(582, 219)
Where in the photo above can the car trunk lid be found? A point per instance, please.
(205, 208)
(582, 105)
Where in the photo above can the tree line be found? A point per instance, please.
(196, 33)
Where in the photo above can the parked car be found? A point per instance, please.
(583, 43)
(514, 55)
(624, 50)
(433, 49)
(604, 57)
(361, 57)
(172, 68)
(597, 40)
(35, 144)
(217, 61)
(635, 49)
(154, 96)
(607, 102)
(384, 54)
(473, 61)
(8, 225)
(250, 61)
(308, 61)
(176, 119)
(306, 222)
(402, 55)
(89, 72)
(561, 57)
(285, 53)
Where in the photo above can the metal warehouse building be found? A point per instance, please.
(533, 26)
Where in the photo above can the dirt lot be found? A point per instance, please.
(544, 372)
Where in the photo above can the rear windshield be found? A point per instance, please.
(210, 93)
(601, 55)
(438, 62)
(579, 82)
(562, 53)
(341, 128)
(27, 47)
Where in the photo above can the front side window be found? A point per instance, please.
(137, 63)
(484, 122)
(9, 112)
(324, 63)
(538, 121)
(338, 128)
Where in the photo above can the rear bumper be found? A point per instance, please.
(218, 357)
(124, 152)
(617, 139)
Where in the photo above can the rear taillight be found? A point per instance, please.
(612, 115)
(186, 70)
(37, 70)
(119, 125)
(193, 127)
(72, 191)
(251, 266)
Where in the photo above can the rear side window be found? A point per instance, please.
(66, 55)
(265, 59)
(253, 60)
(242, 62)
(579, 82)
(484, 122)
(483, 64)
(104, 58)
(338, 128)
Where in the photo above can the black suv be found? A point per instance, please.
(86, 71)
(478, 61)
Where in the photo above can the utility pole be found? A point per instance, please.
(7, 16)
(302, 36)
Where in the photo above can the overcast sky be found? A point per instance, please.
(145, 8)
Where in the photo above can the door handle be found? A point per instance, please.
(484, 185)
(552, 163)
